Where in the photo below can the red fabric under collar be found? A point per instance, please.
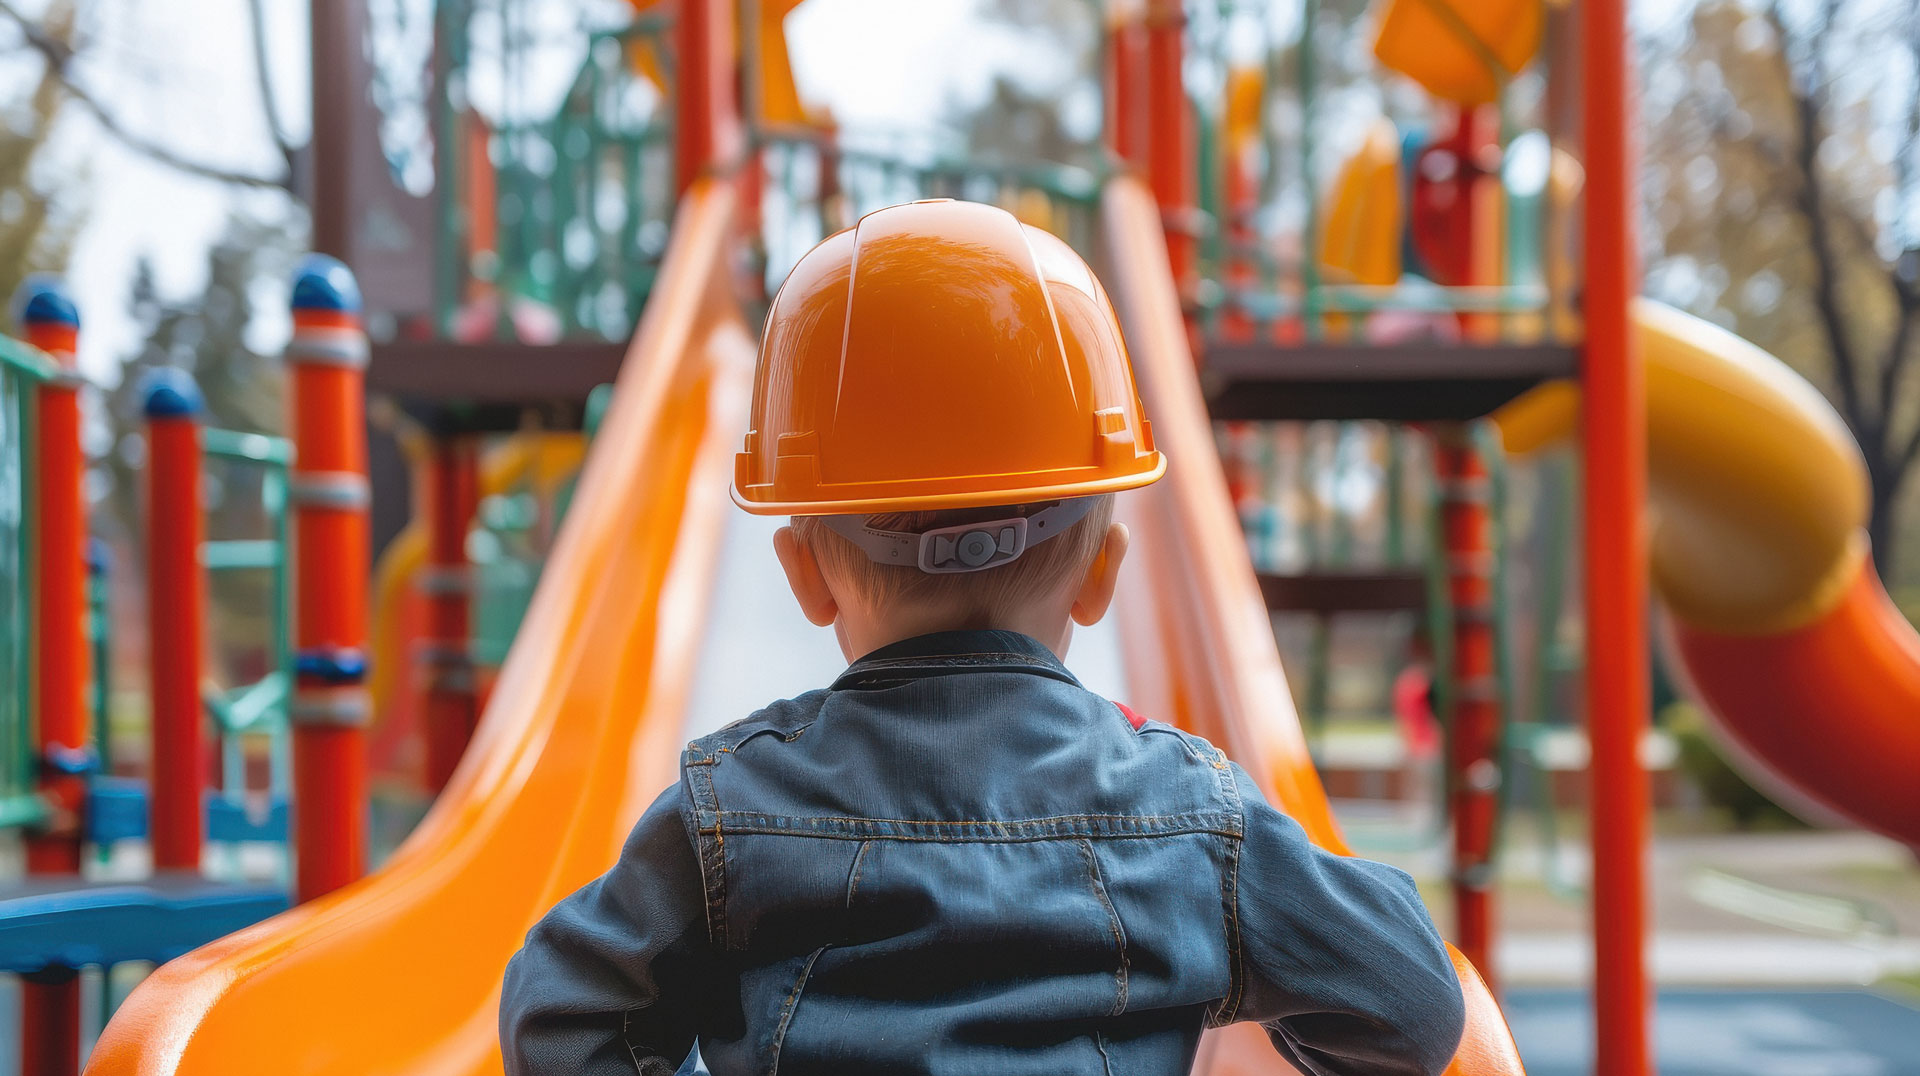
(1132, 718)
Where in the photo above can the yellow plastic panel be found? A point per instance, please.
(1361, 239)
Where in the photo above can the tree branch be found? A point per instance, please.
(1807, 101)
(59, 57)
(1909, 453)
(1893, 370)
(260, 69)
(1893, 375)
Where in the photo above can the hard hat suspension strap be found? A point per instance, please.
(965, 547)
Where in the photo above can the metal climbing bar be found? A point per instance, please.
(22, 370)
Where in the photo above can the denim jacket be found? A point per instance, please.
(956, 860)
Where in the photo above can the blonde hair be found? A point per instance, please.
(978, 599)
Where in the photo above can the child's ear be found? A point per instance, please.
(1096, 591)
(803, 575)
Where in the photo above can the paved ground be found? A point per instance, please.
(1805, 907)
(1701, 1032)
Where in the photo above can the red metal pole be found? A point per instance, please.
(1473, 727)
(1126, 75)
(452, 495)
(1169, 153)
(175, 614)
(1614, 440)
(327, 358)
(50, 1000)
(707, 130)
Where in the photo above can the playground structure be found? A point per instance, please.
(1773, 611)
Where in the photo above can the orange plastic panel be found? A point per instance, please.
(1460, 50)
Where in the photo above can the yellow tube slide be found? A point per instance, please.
(1757, 550)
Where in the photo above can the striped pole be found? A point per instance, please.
(327, 360)
(1169, 150)
(452, 496)
(176, 604)
(707, 129)
(50, 1000)
(1126, 63)
(1473, 725)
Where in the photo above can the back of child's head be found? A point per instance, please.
(945, 406)
(984, 597)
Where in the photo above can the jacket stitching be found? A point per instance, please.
(1100, 1043)
(633, 1051)
(1113, 922)
(1116, 827)
(853, 880)
(1236, 968)
(1015, 823)
(713, 853)
(786, 1010)
(700, 756)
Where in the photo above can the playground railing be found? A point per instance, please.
(248, 711)
(22, 370)
(815, 185)
(257, 708)
(569, 212)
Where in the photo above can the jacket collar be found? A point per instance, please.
(945, 653)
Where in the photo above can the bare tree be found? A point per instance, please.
(1780, 188)
(56, 47)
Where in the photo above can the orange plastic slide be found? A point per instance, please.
(400, 972)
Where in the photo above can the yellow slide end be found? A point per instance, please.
(1758, 490)
(1777, 623)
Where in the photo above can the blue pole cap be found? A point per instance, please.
(170, 392)
(42, 299)
(325, 283)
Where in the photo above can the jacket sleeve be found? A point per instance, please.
(610, 980)
(1339, 960)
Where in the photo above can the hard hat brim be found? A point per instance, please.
(930, 502)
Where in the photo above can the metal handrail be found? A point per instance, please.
(23, 369)
(258, 707)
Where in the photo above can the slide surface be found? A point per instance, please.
(1774, 616)
(637, 638)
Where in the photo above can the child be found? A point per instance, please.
(955, 859)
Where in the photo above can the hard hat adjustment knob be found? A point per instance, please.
(976, 548)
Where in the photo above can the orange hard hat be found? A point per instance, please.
(936, 355)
